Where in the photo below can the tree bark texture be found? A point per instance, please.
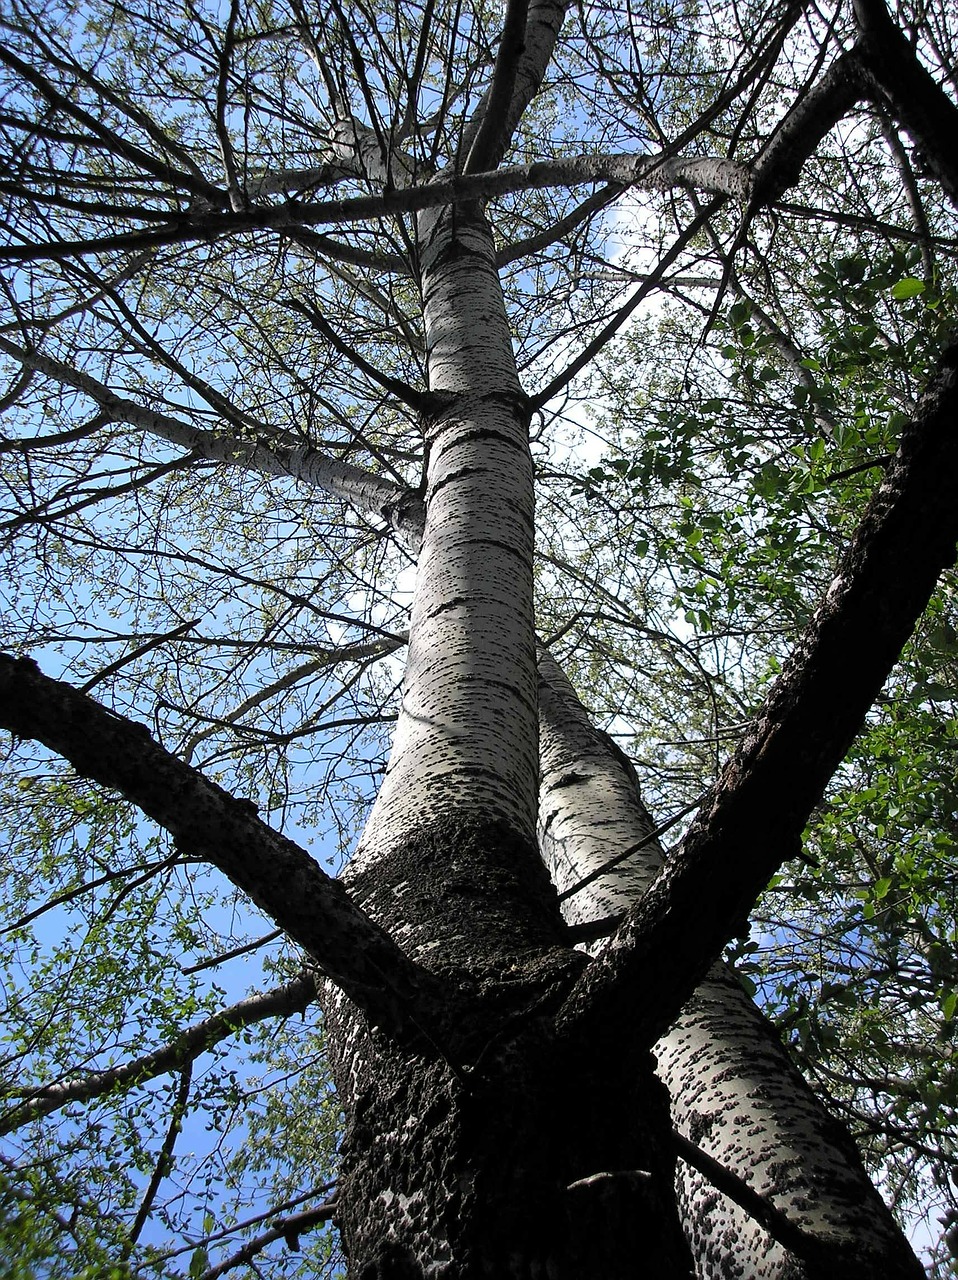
(733, 1092)
(495, 1153)
(466, 735)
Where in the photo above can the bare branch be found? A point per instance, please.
(395, 386)
(542, 239)
(187, 181)
(493, 133)
(811, 117)
(288, 1229)
(724, 177)
(234, 952)
(294, 996)
(164, 1160)
(367, 492)
(147, 647)
(778, 1225)
(608, 331)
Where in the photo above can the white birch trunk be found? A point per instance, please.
(466, 740)
(734, 1093)
(466, 743)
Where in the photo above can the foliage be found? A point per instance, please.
(695, 484)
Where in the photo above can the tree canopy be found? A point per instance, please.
(725, 235)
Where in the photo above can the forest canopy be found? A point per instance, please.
(729, 262)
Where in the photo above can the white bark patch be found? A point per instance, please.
(589, 810)
(735, 1095)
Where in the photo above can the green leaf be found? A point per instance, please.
(910, 287)
(739, 312)
(199, 1262)
(851, 269)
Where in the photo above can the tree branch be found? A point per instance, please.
(913, 98)
(655, 173)
(147, 162)
(542, 26)
(242, 950)
(363, 490)
(779, 1226)
(164, 1161)
(207, 822)
(811, 117)
(488, 143)
(752, 818)
(609, 330)
(288, 1229)
(292, 997)
(403, 392)
(542, 239)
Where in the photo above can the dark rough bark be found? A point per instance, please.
(796, 139)
(478, 1176)
(895, 77)
(497, 1154)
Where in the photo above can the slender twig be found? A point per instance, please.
(164, 1161)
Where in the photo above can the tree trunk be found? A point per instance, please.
(491, 1149)
(487, 1149)
(734, 1093)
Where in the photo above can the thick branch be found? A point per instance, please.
(720, 177)
(487, 145)
(207, 822)
(812, 116)
(913, 97)
(752, 819)
(542, 26)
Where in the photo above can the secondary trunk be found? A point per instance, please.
(734, 1093)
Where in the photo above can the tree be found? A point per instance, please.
(297, 300)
